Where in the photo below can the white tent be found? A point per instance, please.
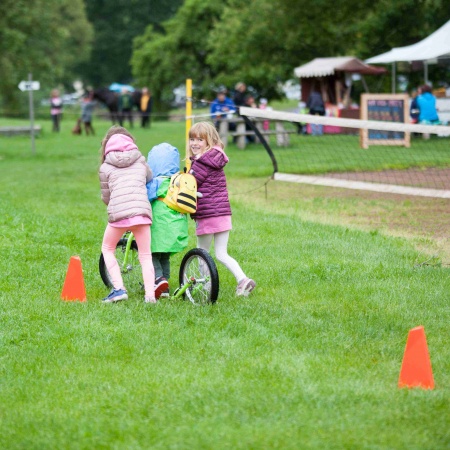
(429, 50)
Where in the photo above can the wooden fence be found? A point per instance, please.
(237, 130)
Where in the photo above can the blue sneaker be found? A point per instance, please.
(115, 296)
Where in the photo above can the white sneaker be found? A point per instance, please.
(244, 287)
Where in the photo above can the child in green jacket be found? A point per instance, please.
(169, 228)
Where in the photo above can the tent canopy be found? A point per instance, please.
(323, 67)
(430, 49)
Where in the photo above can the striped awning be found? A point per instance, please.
(322, 67)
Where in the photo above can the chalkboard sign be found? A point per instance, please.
(385, 108)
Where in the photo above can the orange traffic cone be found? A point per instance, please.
(416, 366)
(73, 288)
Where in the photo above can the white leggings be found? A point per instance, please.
(220, 245)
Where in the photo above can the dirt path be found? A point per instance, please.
(426, 178)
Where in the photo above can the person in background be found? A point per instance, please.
(414, 107)
(145, 107)
(125, 105)
(240, 93)
(87, 108)
(302, 128)
(123, 175)
(221, 107)
(250, 102)
(426, 102)
(56, 106)
(169, 228)
(315, 103)
(240, 98)
(316, 107)
(263, 104)
(213, 215)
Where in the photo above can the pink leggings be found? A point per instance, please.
(143, 240)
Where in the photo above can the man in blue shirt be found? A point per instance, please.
(221, 106)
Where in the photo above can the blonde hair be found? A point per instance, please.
(115, 129)
(206, 131)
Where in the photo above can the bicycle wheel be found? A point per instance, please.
(197, 265)
(131, 269)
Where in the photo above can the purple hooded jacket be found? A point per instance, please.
(212, 183)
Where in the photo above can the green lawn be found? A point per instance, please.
(310, 360)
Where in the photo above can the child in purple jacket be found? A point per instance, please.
(213, 215)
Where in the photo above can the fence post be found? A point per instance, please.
(241, 137)
(188, 117)
(282, 136)
(223, 131)
(260, 126)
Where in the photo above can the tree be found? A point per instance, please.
(44, 37)
(397, 24)
(262, 41)
(257, 41)
(164, 58)
(116, 24)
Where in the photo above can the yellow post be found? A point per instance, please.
(188, 117)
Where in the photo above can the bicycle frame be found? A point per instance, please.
(199, 286)
(179, 291)
(182, 289)
(127, 252)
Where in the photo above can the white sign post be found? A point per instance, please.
(30, 86)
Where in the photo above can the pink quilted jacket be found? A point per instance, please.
(123, 177)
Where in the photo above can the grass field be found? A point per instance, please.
(343, 153)
(310, 360)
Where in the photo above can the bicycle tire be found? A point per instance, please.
(198, 263)
(132, 274)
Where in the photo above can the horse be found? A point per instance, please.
(111, 100)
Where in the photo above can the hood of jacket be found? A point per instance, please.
(164, 160)
(120, 143)
(122, 158)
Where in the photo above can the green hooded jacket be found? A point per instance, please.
(169, 228)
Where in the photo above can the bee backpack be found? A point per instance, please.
(182, 193)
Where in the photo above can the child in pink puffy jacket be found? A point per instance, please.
(123, 176)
